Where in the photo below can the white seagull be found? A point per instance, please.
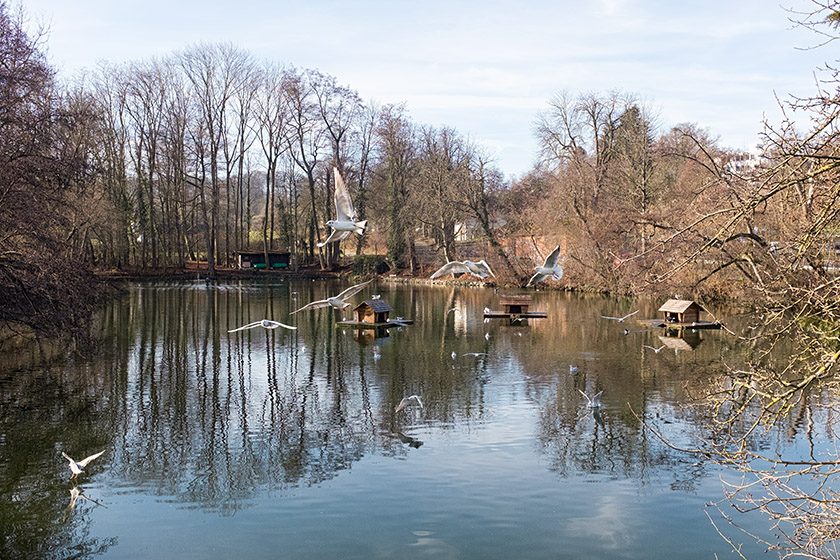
(654, 349)
(76, 467)
(549, 268)
(264, 323)
(346, 221)
(620, 319)
(336, 302)
(480, 269)
(573, 369)
(407, 401)
(594, 402)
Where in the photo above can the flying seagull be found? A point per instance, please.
(338, 301)
(480, 269)
(346, 221)
(620, 319)
(76, 467)
(594, 402)
(549, 268)
(407, 401)
(265, 323)
(654, 349)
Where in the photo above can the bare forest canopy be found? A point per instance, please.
(192, 157)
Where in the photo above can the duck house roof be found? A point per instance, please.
(679, 306)
(378, 305)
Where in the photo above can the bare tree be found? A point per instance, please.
(40, 160)
(397, 147)
(272, 118)
(213, 71)
(307, 138)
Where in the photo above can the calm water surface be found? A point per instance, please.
(285, 444)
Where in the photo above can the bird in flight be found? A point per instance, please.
(594, 402)
(654, 349)
(480, 269)
(620, 319)
(549, 268)
(76, 467)
(264, 323)
(346, 221)
(407, 401)
(337, 302)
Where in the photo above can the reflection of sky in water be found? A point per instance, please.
(285, 443)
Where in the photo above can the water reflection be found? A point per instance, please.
(213, 420)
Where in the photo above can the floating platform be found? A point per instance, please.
(515, 308)
(675, 325)
(514, 316)
(363, 325)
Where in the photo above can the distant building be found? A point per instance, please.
(256, 260)
(747, 162)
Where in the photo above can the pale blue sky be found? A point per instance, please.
(485, 67)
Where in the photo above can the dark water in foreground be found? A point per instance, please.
(285, 444)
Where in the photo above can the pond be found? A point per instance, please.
(286, 443)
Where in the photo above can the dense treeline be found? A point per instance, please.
(209, 151)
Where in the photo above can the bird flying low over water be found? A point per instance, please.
(594, 402)
(549, 268)
(264, 323)
(620, 319)
(337, 302)
(480, 269)
(77, 467)
(346, 221)
(407, 401)
(654, 349)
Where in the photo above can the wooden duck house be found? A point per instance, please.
(515, 307)
(372, 311)
(681, 313)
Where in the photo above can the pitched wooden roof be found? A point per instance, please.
(378, 305)
(678, 305)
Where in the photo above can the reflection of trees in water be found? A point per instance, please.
(41, 411)
(214, 417)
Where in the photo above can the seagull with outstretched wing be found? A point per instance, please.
(593, 402)
(264, 323)
(336, 302)
(480, 269)
(346, 221)
(77, 467)
(549, 268)
(407, 401)
(620, 319)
